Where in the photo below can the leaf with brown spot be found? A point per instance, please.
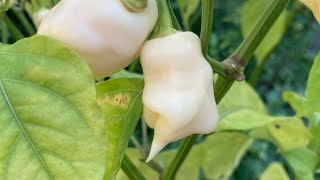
(121, 100)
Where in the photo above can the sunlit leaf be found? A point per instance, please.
(222, 153)
(295, 100)
(289, 134)
(275, 171)
(241, 96)
(245, 119)
(50, 124)
(121, 100)
(303, 161)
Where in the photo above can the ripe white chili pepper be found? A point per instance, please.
(105, 33)
(314, 6)
(39, 16)
(178, 95)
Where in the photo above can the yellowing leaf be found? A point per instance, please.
(50, 124)
(289, 134)
(121, 100)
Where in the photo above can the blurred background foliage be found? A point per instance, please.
(284, 67)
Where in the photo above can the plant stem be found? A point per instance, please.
(4, 33)
(254, 77)
(16, 33)
(243, 55)
(130, 169)
(185, 148)
(24, 21)
(164, 25)
(152, 164)
(224, 69)
(206, 24)
(145, 135)
(245, 51)
(175, 22)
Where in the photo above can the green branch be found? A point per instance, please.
(130, 169)
(16, 33)
(240, 58)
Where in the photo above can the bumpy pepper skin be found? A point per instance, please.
(39, 16)
(104, 32)
(178, 96)
(314, 6)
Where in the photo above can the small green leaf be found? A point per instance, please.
(313, 88)
(241, 96)
(289, 134)
(50, 124)
(126, 74)
(222, 153)
(295, 100)
(121, 100)
(187, 8)
(303, 161)
(250, 14)
(275, 171)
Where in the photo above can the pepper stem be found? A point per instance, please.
(164, 25)
(135, 5)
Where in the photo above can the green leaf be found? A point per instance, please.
(218, 155)
(4, 6)
(135, 156)
(315, 131)
(126, 74)
(289, 134)
(222, 153)
(241, 96)
(295, 100)
(121, 100)
(245, 119)
(250, 14)
(50, 124)
(313, 88)
(187, 8)
(303, 161)
(275, 171)
(191, 167)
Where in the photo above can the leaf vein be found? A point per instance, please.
(23, 131)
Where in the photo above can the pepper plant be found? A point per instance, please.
(72, 93)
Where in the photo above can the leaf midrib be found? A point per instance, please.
(4, 93)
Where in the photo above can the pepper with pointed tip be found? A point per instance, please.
(178, 95)
(106, 34)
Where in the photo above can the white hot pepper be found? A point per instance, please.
(105, 33)
(178, 95)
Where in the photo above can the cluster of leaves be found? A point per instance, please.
(45, 87)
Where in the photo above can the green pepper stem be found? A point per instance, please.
(130, 169)
(164, 24)
(135, 5)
